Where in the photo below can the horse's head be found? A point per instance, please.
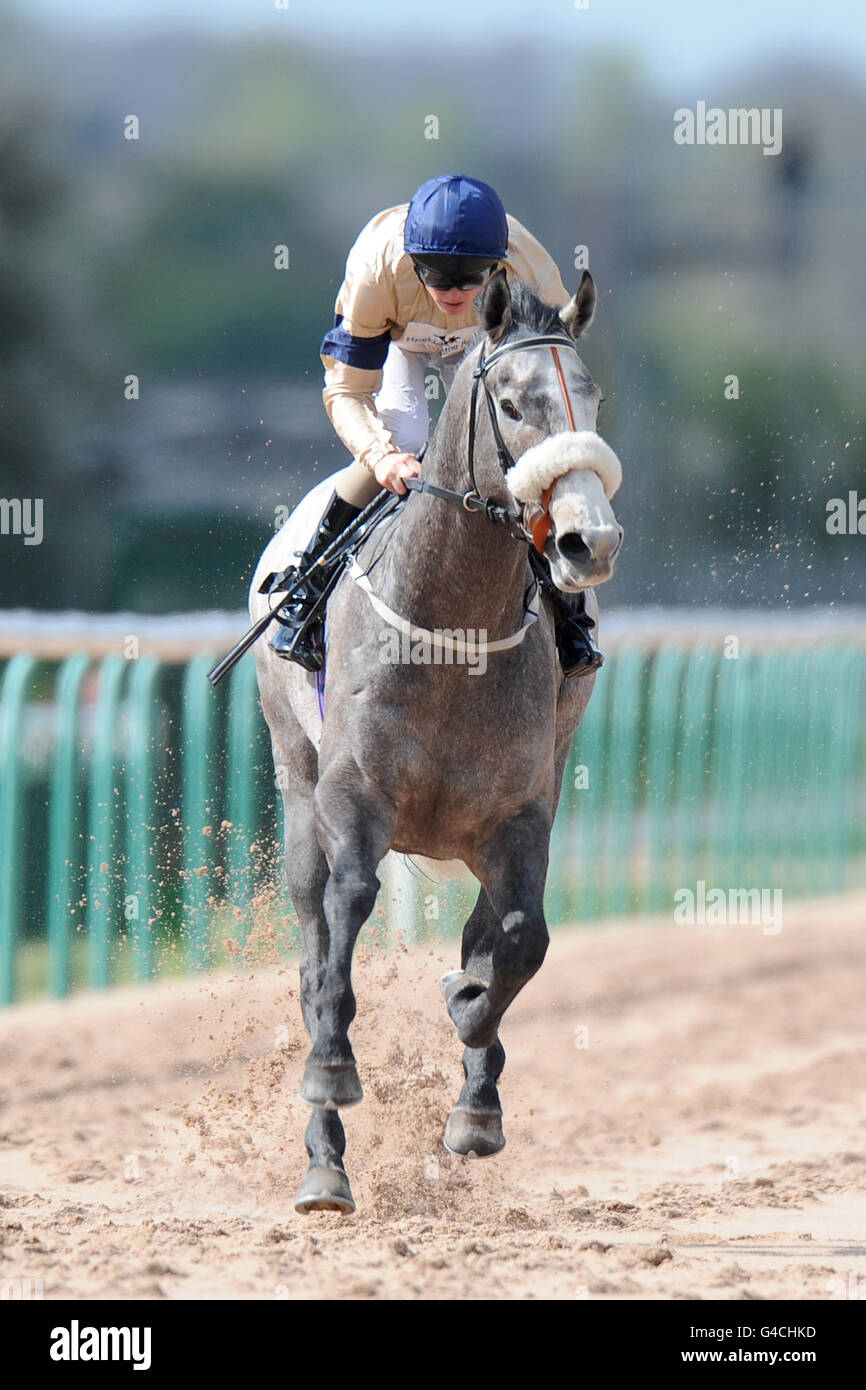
(544, 407)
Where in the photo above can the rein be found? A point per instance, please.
(494, 511)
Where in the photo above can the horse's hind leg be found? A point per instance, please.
(355, 835)
(475, 1124)
(325, 1186)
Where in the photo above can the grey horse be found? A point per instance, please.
(448, 757)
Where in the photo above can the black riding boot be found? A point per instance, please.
(572, 626)
(298, 639)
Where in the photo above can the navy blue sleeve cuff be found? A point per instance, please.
(367, 353)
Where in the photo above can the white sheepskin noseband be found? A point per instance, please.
(561, 453)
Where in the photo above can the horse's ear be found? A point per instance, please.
(494, 307)
(580, 310)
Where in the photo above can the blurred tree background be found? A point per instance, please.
(155, 257)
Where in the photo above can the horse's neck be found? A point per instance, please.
(447, 567)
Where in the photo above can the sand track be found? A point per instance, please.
(709, 1142)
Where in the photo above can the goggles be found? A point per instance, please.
(466, 279)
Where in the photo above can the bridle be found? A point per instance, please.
(538, 529)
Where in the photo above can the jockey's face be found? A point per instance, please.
(453, 282)
(453, 301)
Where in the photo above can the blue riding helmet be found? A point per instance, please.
(454, 215)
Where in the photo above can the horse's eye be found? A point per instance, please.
(510, 409)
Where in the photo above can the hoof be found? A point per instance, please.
(474, 1133)
(325, 1189)
(460, 991)
(331, 1085)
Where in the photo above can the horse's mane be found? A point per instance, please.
(528, 309)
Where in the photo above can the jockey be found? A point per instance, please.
(407, 301)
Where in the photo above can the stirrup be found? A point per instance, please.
(585, 667)
(288, 642)
(300, 624)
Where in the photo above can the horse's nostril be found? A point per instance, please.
(574, 548)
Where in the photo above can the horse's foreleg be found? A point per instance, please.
(512, 865)
(475, 1123)
(325, 1185)
(354, 835)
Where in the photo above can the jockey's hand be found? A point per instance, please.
(393, 468)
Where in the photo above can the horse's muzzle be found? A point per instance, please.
(583, 559)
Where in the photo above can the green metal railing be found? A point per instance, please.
(140, 823)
